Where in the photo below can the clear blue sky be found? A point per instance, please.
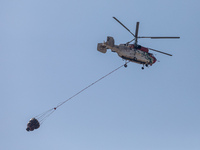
(48, 53)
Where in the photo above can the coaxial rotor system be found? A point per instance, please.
(136, 37)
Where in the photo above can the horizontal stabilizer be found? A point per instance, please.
(102, 48)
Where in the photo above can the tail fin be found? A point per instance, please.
(110, 41)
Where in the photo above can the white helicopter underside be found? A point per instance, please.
(132, 55)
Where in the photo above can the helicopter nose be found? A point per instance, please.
(154, 60)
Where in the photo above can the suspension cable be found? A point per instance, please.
(89, 86)
(42, 117)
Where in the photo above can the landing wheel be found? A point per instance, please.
(125, 65)
(143, 67)
(146, 65)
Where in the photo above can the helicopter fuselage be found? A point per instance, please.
(137, 55)
(128, 52)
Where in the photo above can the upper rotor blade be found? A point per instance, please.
(136, 32)
(123, 26)
(160, 52)
(159, 37)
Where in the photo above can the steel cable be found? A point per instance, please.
(43, 116)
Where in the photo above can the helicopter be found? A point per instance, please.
(132, 52)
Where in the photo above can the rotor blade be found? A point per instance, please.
(123, 26)
(159, 37)
(136, 32)
(130, 41)
(160, 52)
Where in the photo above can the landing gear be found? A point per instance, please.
(143, 67)
(146, 65)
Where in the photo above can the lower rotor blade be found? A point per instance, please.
(160, 52)
(130, 41)
(159, 37)
(123, 26)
